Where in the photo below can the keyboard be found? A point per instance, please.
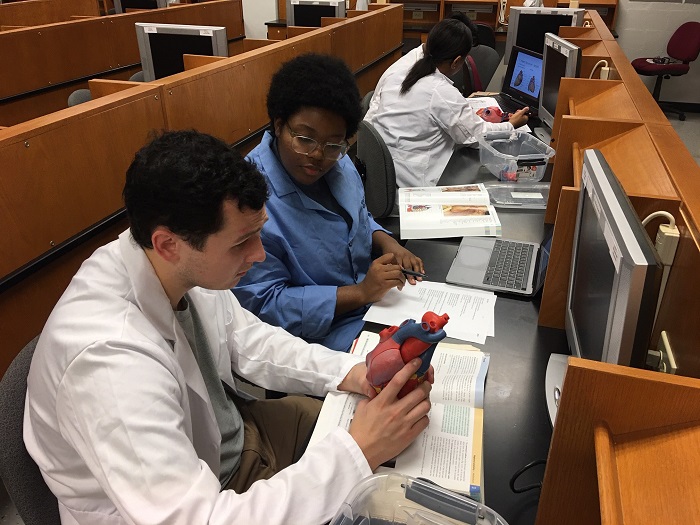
(509, 265)
(508, 105)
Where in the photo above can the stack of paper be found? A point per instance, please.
(471, 311)
(447, 211)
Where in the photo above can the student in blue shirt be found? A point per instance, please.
(318, 278)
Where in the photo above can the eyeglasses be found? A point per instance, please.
(306, 146)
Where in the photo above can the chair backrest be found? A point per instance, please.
(365, 102)
(486, 35)
(486, 60)
(138, 77)
(380, 177)
(78, 97)
(35, 503)
(684, 44)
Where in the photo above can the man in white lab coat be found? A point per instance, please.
(132, 412)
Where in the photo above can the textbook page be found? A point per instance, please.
(471, 311)
(433, 220)
(461, 194)
(449, 451)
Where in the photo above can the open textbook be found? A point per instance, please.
(447, 211)
(449, 451)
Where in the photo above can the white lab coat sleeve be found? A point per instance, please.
(122, 409)
(272, 358)
(452, 112)
(321, 479)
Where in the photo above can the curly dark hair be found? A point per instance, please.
(181, 179)
(319, 81)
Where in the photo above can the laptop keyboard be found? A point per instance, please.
(509, 265)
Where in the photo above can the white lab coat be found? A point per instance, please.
(422, 127)
(400, 69)
(119, 420)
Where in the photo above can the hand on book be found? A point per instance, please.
(384, 426)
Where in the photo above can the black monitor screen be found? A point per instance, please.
(593, 283)
(554, 70)
(167, 50)
(310, 15)
(139, 4)
(532, 28)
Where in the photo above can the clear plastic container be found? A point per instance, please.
(518, 195)
(389, 499)
(514, 155)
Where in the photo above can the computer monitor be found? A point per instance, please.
(308, 13)
(560, 59)
(120, 6)
(161, 46)
(528, 25)
(614, 280)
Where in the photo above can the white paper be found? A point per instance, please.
(471, 311)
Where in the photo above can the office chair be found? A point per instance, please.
(365, 102)
(485, 59)
(682, 49)
(78, 97)
(486, 36)
(377, 170)
(35, 503)
(137, 77)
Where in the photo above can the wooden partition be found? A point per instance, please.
(657, 171)
(40, 12)
(629, 149)
(625, 448)
(71, 164)
(62, 174)
(39, 61)
(195, 98)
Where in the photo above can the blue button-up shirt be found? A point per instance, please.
(310, 253)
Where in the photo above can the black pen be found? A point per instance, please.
(413, 274)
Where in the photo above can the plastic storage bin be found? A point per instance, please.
(514, 155)
(389, 499)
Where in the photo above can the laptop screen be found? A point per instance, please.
(523, 78)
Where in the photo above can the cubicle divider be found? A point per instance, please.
(62, 174)
(37, 62)
(39, 12)
(620, 118)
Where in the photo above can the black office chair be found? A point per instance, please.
(485, 35)
(137, 77)
(479, 73)
(377, 169)
(682, 49)
(365, 102)
(78, 97)
(27, 489)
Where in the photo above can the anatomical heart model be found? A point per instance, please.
(519, 79)
(400, 344)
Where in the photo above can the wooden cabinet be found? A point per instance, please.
(420, 16)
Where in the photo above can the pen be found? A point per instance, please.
(412, 273)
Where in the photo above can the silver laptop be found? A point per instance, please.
(501, 265)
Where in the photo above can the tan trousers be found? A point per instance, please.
(276, 432)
